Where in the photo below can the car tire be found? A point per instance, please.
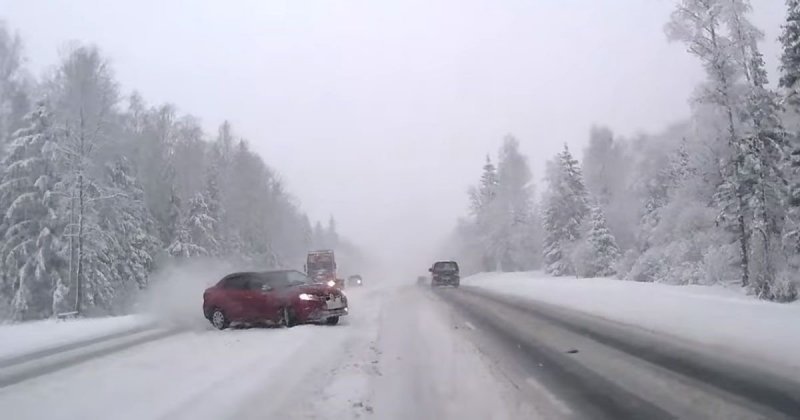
(218, 319)
(287, 317)
(333, 320)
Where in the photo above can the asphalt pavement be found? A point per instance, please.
(584, 367)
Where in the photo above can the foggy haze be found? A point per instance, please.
(369, 209)
(381, 113)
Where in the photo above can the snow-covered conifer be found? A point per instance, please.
(565, 209)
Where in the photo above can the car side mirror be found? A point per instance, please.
(305, 268)
(430, 270)
(266, 288)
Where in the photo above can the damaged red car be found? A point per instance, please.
(285, 297)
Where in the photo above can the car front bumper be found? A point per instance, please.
(447, 281)
(323, 314)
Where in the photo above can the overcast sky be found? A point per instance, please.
(381, 112)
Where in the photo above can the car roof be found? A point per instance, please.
(255, 273)
(446, 261)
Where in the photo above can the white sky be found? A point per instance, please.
(381, 112)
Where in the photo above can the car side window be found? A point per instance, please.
(272, 279)
(236, 283)
(260, 283)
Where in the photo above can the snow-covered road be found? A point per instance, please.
(408, 352)
(394, 356)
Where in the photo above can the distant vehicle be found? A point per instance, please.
(321, 266)
(355, 280)
(285, 297)
(421, 280)
(445, 273)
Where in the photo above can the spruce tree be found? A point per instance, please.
(195, 236)
(790, 57)
(32, 267)
(602, 245)
(565, 209)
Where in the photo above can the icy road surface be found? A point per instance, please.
(410, 352)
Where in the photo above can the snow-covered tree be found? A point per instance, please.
(516, 217)
(32, 268)
(196, 235)
(13, 94)
(700, 25)
(599, 253)
(84, 96)
(751, 195)
(606, 168)
(485, 209)
(790, 58)
(484, 194)
(565, 209)
(131, 224)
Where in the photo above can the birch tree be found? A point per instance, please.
(85, 95)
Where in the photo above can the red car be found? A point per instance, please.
(285, 297)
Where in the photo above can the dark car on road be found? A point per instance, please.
(445, 273)
(284, 297)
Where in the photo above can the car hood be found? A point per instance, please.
(317, 289)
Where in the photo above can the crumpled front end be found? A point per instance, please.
(317, 307)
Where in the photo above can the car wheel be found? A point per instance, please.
(287, 317)
(333, 320)
(218, 319)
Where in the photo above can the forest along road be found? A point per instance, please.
(588, 367)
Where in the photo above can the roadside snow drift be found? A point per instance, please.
(30, 337)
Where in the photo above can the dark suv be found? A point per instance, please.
(445, 273)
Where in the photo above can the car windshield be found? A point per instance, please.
(320, 265)
(445, 266)
(297, 278)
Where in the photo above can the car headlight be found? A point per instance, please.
(306, 296)
(331, 283)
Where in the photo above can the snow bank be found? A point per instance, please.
(721, 318)
(28, 337)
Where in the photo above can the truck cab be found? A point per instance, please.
(321, 267)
